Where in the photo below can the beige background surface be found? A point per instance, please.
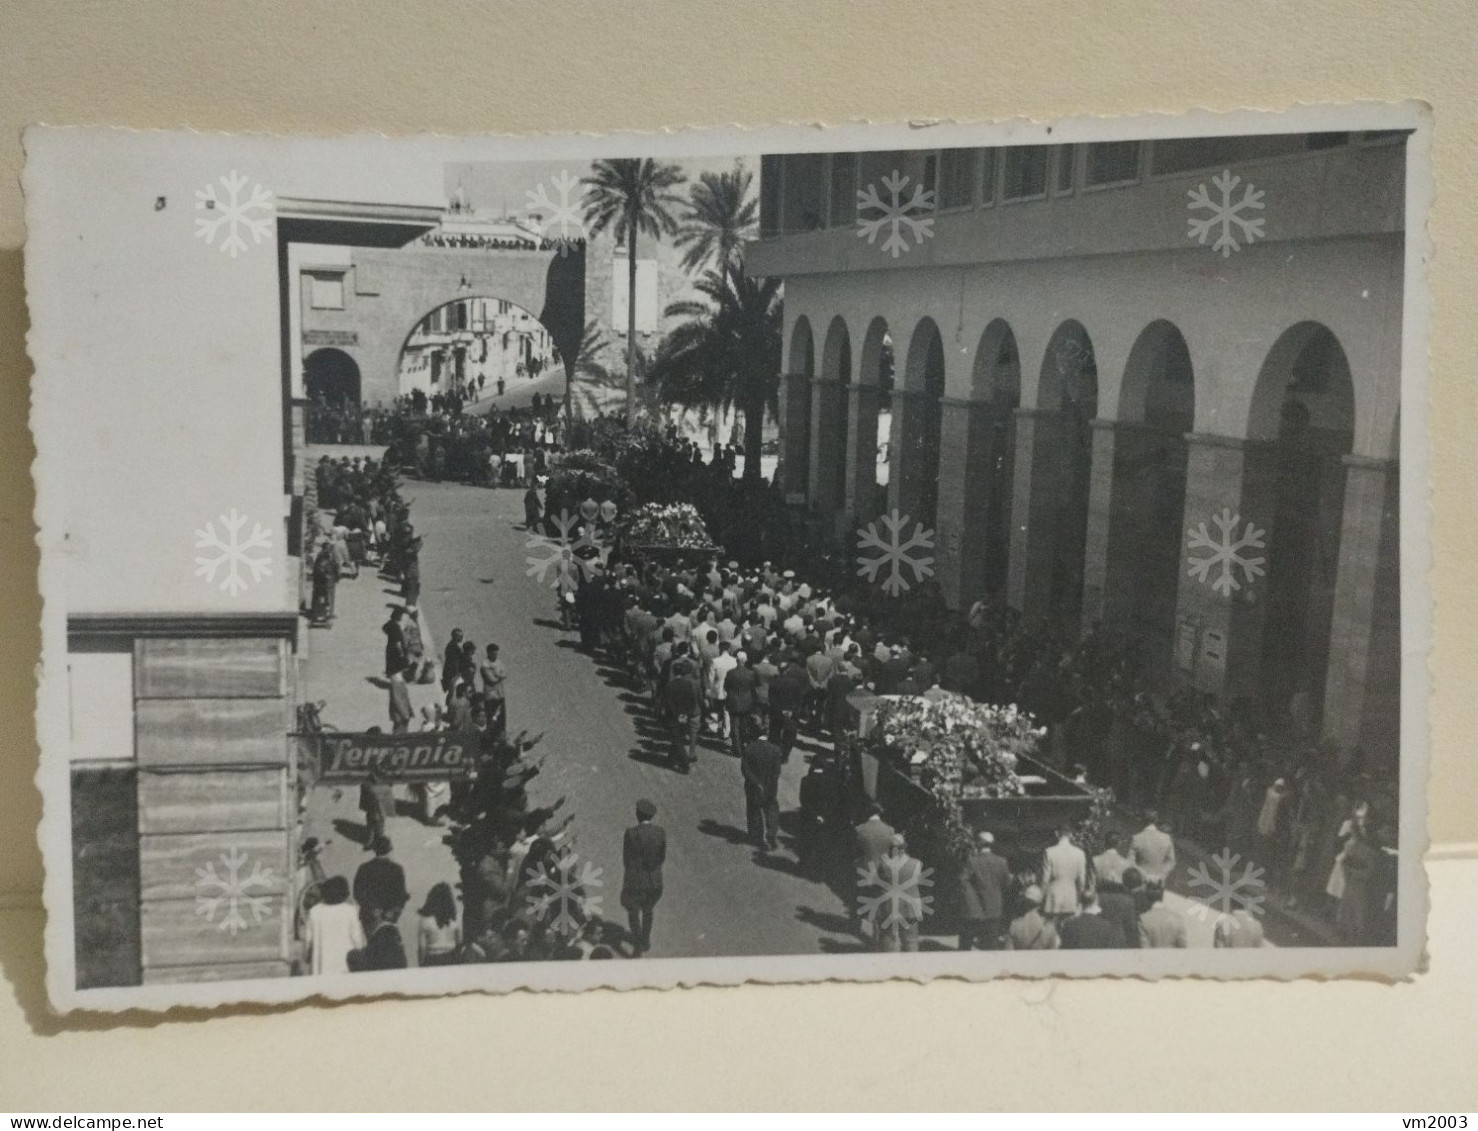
(556, 65)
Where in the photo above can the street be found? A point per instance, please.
(601, 752)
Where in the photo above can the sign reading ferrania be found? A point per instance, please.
(343, 757)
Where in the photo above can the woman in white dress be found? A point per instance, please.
(1335, 888)
(333, 929)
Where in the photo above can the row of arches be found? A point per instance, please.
(1074, 514)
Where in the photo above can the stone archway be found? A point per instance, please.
(869, 425)
(331, 376)
(978, 440)
(1136, 543)
(913, 484)
(829, 407)
(795, 411)
(1053, 476)
(1303, 408)
(996, 383)
(483, 343)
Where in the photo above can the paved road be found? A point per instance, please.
(601, 748)
(601, 754)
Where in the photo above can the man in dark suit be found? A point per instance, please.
(643, 852)
(874, 837)
(451, 661)
(1120, 904)
(760, 767)
(379, 886)
(788, 692)
(682, 700)
(739, 687)
(983, 883)
(1089, 929)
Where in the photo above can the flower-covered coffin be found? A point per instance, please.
(956, 745)
(675, 525)
(950, 767)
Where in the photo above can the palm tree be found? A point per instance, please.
(727, 353)
(628, 196)
(591, 370)
(722, 214)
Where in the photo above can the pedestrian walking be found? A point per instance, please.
(396, 656)
(401, 711)
(438, 936)
(333, 929)
(494, 678)
(1152, 851)
(325, 577)
(1162, 927)
(1064, 876)
(383, 950)
(760, 768)
(415, 646)
(1031, 930)
(788, 692)
(533, 508)
(379, 885)
(984, 880)
(377, 802)
(451, 661)
(899, 912)
(643, 852)
(1120, 904)
(682, 700)
(1089, 929)
(738, 699)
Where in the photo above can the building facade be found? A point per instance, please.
(1076, 386)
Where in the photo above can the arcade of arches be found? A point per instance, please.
(1076, 510)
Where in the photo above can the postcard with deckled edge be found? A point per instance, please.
(764, 555)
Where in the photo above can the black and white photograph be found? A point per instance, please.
(742, 555)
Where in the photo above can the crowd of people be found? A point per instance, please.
(755, 658)
(358, 519)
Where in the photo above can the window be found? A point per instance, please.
(803, 199)
(1183, 154)
(326, 291)
(769, 197)
(1111, 163)
(1377, 137)
(988, 176)
(1026, 173)
(1062, 180)
(843, 190)
(101, 698)
(957, 177)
